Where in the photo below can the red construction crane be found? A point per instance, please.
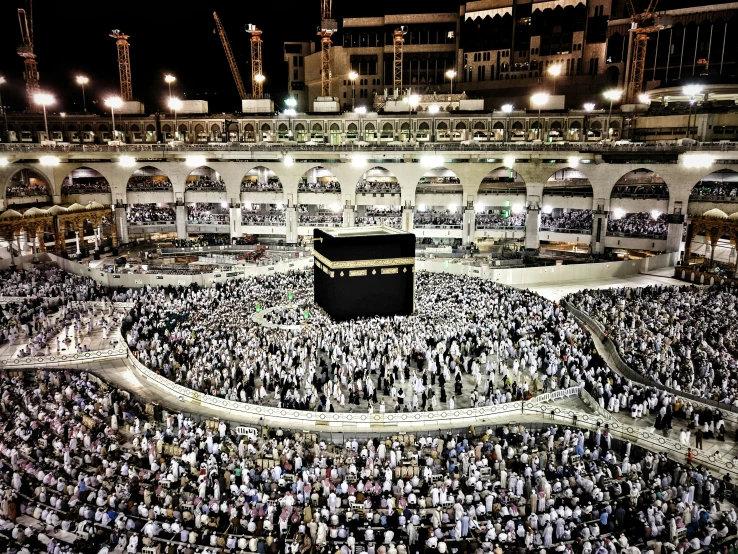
(25, 51)
(642, 24)
(124, 64)
(231, 59)
(328, 27)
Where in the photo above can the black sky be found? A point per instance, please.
(166, 36)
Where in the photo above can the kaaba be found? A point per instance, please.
(364, 271)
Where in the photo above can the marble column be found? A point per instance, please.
(121, 223)
(407, 219)
(349, 217)
(235, 214)
(675, 233)
(290, 215)
(599, 231)
(532, 226)
(181, 219)
(468, 226)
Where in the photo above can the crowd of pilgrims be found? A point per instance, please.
(498, 221)
(30, 188)
(320, 186)
(140, 182)
(683, 337)
(470, 337)
(272, 185)
(328, 220)
(378, 187)
(432, 218)
(205, 183)
(640, 190)
(150, 213)
(714, 190)
(208, 214)
(272, 217)
(84, 469)
(391, 217)
(567, 220)
(47, 311)
(639, 224)
(85, 185)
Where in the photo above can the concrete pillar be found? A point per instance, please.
(121, 223)
(675, 232)
(235, 213)
(468, 226)
(181, 216)
(407, 219)
(532, 225)
(76, 241)
(349, 217)
(98, 236)
(290, 217)
(599, 231)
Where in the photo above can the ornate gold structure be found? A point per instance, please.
(714, 228)
(56, 220)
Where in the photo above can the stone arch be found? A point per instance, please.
(480, 126)
(23, 182)
(378, 180)
(84, 180)
(502, 180)
(718, 186)
(641, 183)
(148, 178)
(318, 179)
(204, 178)
(568, 182)
(261, 179)
(439, 180)
(461, 126)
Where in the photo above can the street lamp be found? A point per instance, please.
(44, 99)
(112, 103)
(539, 99)
(554, 71)
(169, 79)
(353, 76)
(175, 104)
(433, 110)
(5, 113)
(611, 95)
(507, 108)
(290, 112)
(412, 102)
(360, 110)
(451, 74)
(82, 81)
(691, 91)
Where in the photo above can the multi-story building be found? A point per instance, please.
(503, 49)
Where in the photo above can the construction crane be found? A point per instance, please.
(124, 64)
(328, 27)
(642, 24)
(257, 77)
(25, 51)
(399, 40)
(229, 55)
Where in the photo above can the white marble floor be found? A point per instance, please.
(557, 291)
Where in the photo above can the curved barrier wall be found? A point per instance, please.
(731, 412)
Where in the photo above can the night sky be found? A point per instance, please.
(71, 38)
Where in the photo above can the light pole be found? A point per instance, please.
(554, 71)
(174, 105)
(433, 110)
(539, 100)
(691, 91)
(507, 109)
(290, 112)
(5, 113)
(360, 110)
(353, 76)
(412, 101)
(451, 74)
(588, 107)
(43, 99)
(611, 95)
(112, 103)
(82, 81)
(169, 79)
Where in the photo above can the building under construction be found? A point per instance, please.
(503, 49)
